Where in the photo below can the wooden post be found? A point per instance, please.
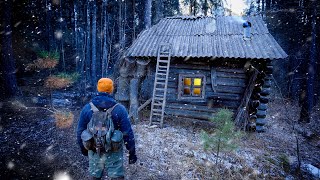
(123, 82)
(123, 89)
(134, 90)
(134, 102)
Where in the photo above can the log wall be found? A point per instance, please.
(226, 91)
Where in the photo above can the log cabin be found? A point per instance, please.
(190, 66)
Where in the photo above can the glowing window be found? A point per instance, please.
(191, 86)
(197, 91)
(197, 81)
(187, 81)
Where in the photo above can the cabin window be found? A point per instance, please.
(191, 86)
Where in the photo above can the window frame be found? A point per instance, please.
(181, 86)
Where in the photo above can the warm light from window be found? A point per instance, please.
(191, 87)
(187, 81)
(197, 81)
(197, 91)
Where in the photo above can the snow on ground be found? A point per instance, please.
(33, 146)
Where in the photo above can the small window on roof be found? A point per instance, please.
(191, 86)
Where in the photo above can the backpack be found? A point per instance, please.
(100, 133)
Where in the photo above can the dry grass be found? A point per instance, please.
(46, 63)
(54, 82)
(42, 63)
(63, 119)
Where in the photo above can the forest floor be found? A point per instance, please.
(35, 146)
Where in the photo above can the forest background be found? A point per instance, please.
(86, 40)
(89, 38)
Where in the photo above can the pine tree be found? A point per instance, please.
(225, 138)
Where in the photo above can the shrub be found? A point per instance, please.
(61, 80)
(49, 55)
(63, 119)
(72, 77)
(46, 60)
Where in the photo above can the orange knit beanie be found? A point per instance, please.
(105, 85)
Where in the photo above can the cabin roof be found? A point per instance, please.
(220, 37)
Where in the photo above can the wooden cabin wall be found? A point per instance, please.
(231, 82)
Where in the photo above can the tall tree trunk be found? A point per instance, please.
(76, 35)
(129, 16)
(205, 7)
(133, 20)
(191, 7)
(94, 41)
(62, 25)
(258, 6)
(194, 7)
(49, 33)
(88, 45)
(306, 110)
(121, 25)
(147, 14)
(79, 43)
(8, 64)
(159, 10)
(105, 42)
(268, 5)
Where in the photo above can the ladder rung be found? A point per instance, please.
(162, 83)
(156, 114)
(156, 122)
(160, 89)
(163, 56)
(163, 61)
(159, 98)
(163, 67)
(161, 74)
(157, 104)
(157, 110)
(159, 95)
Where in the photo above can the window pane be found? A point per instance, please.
(197, 81)
(186, 91)
(197, 91)
(187, 81)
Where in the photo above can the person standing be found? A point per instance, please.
(111, 161)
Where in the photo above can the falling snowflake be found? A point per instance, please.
(23, 145)
(10, 165)
(61, 176)
(58, 34)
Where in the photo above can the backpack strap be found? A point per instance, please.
(111, 109)
(110, 119)
(93, 107)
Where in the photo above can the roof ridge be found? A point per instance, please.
(189, 17)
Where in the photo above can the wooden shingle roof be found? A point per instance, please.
(220, 37)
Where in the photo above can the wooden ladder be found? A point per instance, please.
(160, 85)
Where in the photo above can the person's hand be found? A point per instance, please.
(132, 158)
(84, 152)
